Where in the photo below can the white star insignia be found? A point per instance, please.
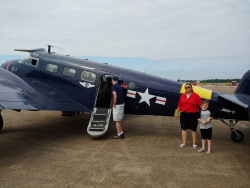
(145, 97)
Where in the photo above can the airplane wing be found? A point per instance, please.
(237, 98)
(32, 94)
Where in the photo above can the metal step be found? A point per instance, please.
(100, 129)
(101, 111)
(99, 118)
(97, 126)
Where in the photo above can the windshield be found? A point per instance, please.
(28, 60)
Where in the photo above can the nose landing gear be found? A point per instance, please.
(236, 135)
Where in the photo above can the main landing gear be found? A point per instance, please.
(67, 113)
(236, 135)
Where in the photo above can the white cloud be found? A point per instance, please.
(189, 31)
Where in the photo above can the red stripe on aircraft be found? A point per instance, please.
(8, 66)
(131, 93)
(160, 100)
(124, 86)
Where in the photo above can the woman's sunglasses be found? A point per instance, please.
(187, 87)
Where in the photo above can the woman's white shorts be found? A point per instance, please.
(118, 112)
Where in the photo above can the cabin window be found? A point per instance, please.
(88, 76)
(51, 68)
(30, 61)
(131, 85)
(69, 72)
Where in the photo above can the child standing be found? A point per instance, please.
(205, 116)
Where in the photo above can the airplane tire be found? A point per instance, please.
(236, 138)
(1, 122)
(67, 113)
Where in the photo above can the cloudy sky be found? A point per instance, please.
(209, 39)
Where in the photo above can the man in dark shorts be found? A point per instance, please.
(118, 107)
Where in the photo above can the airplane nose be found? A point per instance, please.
(7, 64)
(4, 65)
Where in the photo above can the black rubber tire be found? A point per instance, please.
(1, 122)
(67, 113)
(235, 138)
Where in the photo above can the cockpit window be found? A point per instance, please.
(30, 61)
(25, 60)
(51, 68)
(69, 72)
(33, 62)
(88, 76)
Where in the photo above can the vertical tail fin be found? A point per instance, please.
(244, 86)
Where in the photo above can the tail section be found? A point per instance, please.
(244, 86)
(241, 96)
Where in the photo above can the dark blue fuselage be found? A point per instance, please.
(164, 93)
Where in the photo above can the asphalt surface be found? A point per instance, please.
(45, 149)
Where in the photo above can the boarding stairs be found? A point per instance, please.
(99, 121)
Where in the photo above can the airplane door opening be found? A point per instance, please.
(103, 98)
(100, 116)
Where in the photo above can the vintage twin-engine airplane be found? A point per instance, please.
(48, 81)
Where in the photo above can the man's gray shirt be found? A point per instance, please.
(203, 115)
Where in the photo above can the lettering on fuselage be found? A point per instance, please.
(228, 110)
(14, 69)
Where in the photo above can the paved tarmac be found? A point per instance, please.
(45, 149)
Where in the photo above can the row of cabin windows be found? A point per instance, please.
(88, 76)
(66, 71)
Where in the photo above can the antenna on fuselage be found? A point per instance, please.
(180, 74)
(49, 48)
(148, 66)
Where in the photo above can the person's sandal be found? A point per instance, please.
(208, 152)
(201, 150)
(182, 146)
(195, 147)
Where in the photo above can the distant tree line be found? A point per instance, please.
(214, 80)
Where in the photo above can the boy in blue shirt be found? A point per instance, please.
(205, 116)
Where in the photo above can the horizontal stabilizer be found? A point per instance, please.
(31, 51)
(237, 98)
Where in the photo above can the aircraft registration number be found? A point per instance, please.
(228, 110)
